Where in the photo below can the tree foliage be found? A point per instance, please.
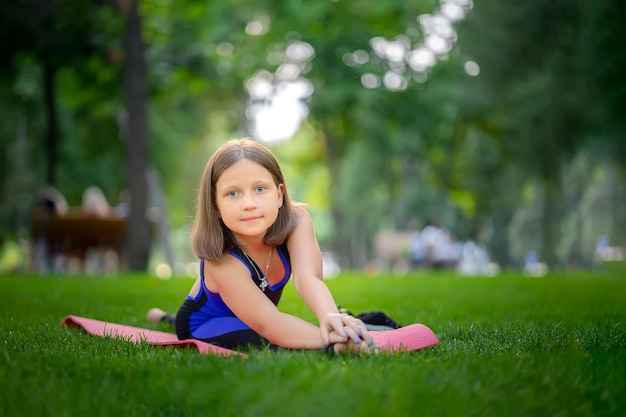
(472, 150)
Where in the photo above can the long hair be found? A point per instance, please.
(210, 238)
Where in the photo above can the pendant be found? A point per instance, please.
(264, 284)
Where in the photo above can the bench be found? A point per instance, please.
(74, 235)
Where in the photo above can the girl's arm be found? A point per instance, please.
(232, 280)
(306, 269)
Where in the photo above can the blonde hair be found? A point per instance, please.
(210, 238)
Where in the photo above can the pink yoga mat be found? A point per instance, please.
(140, 335)
(404, 339)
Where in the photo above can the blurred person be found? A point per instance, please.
(122, 209)
(99, 258)
(475, 261)
(94, 203)
(532, 265)
(450, 252)
(436, 238)
(418, 251)
(51, 201)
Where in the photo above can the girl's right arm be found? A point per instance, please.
(232, 280)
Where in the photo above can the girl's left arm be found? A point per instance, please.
(306, 269)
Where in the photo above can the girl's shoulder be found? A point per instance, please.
(300, 211)
(303, 228)
(226, 261)
(222, 270)
(301, 220)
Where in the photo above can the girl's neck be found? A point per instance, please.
(254, 246)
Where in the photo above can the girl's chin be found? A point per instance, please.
(249, 235)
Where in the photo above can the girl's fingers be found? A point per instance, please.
(359, 348)
(367, 336)
(347, 326)
(326, 335)
(352, 334)
(335, 337)
(361, 330)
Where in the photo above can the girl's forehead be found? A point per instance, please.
(244, 171)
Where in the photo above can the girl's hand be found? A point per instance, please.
(350, 346)
(344, 328)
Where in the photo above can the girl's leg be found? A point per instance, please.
(239, 339)
(156, 315)
(227, 332)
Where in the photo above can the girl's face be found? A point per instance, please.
(247, 199)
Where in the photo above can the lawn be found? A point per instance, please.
(510, 346)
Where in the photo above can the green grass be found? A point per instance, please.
(554, 346)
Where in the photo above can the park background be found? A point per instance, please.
(501, 120)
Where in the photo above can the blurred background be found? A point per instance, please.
(422, 133)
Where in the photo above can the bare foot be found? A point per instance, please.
(155, 315)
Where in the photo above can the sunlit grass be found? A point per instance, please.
(509, 346)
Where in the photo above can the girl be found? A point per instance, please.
(251, 238)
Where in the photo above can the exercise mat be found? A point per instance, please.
(404, 339)
(140, 335)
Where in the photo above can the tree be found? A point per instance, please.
(138, 229)
(551, 89)
(56, 35)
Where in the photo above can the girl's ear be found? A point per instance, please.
(281, 194)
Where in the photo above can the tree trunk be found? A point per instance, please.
(340, 242)
(500, 248)
(551, 213)
(52, 133)
(138, 228)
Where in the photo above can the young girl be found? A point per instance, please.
(251, 238)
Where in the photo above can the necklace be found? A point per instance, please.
(264, 284)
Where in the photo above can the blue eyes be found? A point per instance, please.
(259, 189)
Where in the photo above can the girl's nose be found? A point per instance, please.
(249, 201)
